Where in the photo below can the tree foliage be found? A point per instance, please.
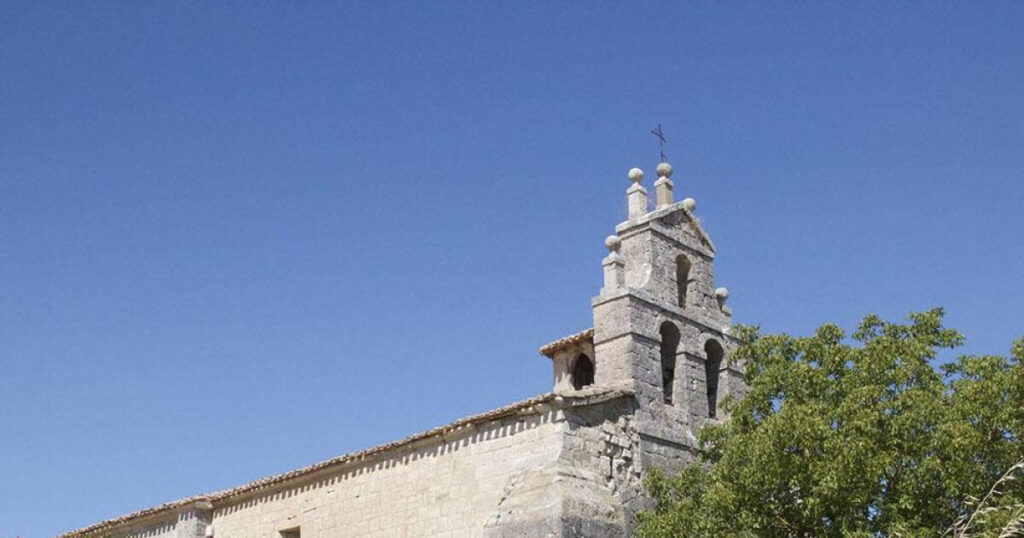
(861, 438)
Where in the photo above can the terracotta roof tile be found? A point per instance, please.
(582, 336)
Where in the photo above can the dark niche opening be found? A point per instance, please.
(582, 372)
(669, 348)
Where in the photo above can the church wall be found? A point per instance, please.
(603, 448)
(450, 488)
(567, 467)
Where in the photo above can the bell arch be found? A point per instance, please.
(714, 354)
(582, 372)
(669, 348)
(683, 266)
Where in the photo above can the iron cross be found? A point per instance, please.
(661, 142)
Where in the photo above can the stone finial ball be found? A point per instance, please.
(722, 293)
(613, 243)
(690, 204)
(636, 175)
(664, 170)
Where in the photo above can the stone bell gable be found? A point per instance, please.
(628, 395)
(660, 324)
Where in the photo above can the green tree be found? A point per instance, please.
(861, 438)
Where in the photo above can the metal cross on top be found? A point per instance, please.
(661, 142)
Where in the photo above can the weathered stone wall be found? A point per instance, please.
(451, 488)
(595, 486)
(603, 445)
(566, 468)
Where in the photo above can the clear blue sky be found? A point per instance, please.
(237, 238)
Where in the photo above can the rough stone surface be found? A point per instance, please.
(663, 191)
(566, 464)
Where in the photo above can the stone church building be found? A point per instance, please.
(628, 395)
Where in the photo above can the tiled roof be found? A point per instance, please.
(582, 336)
